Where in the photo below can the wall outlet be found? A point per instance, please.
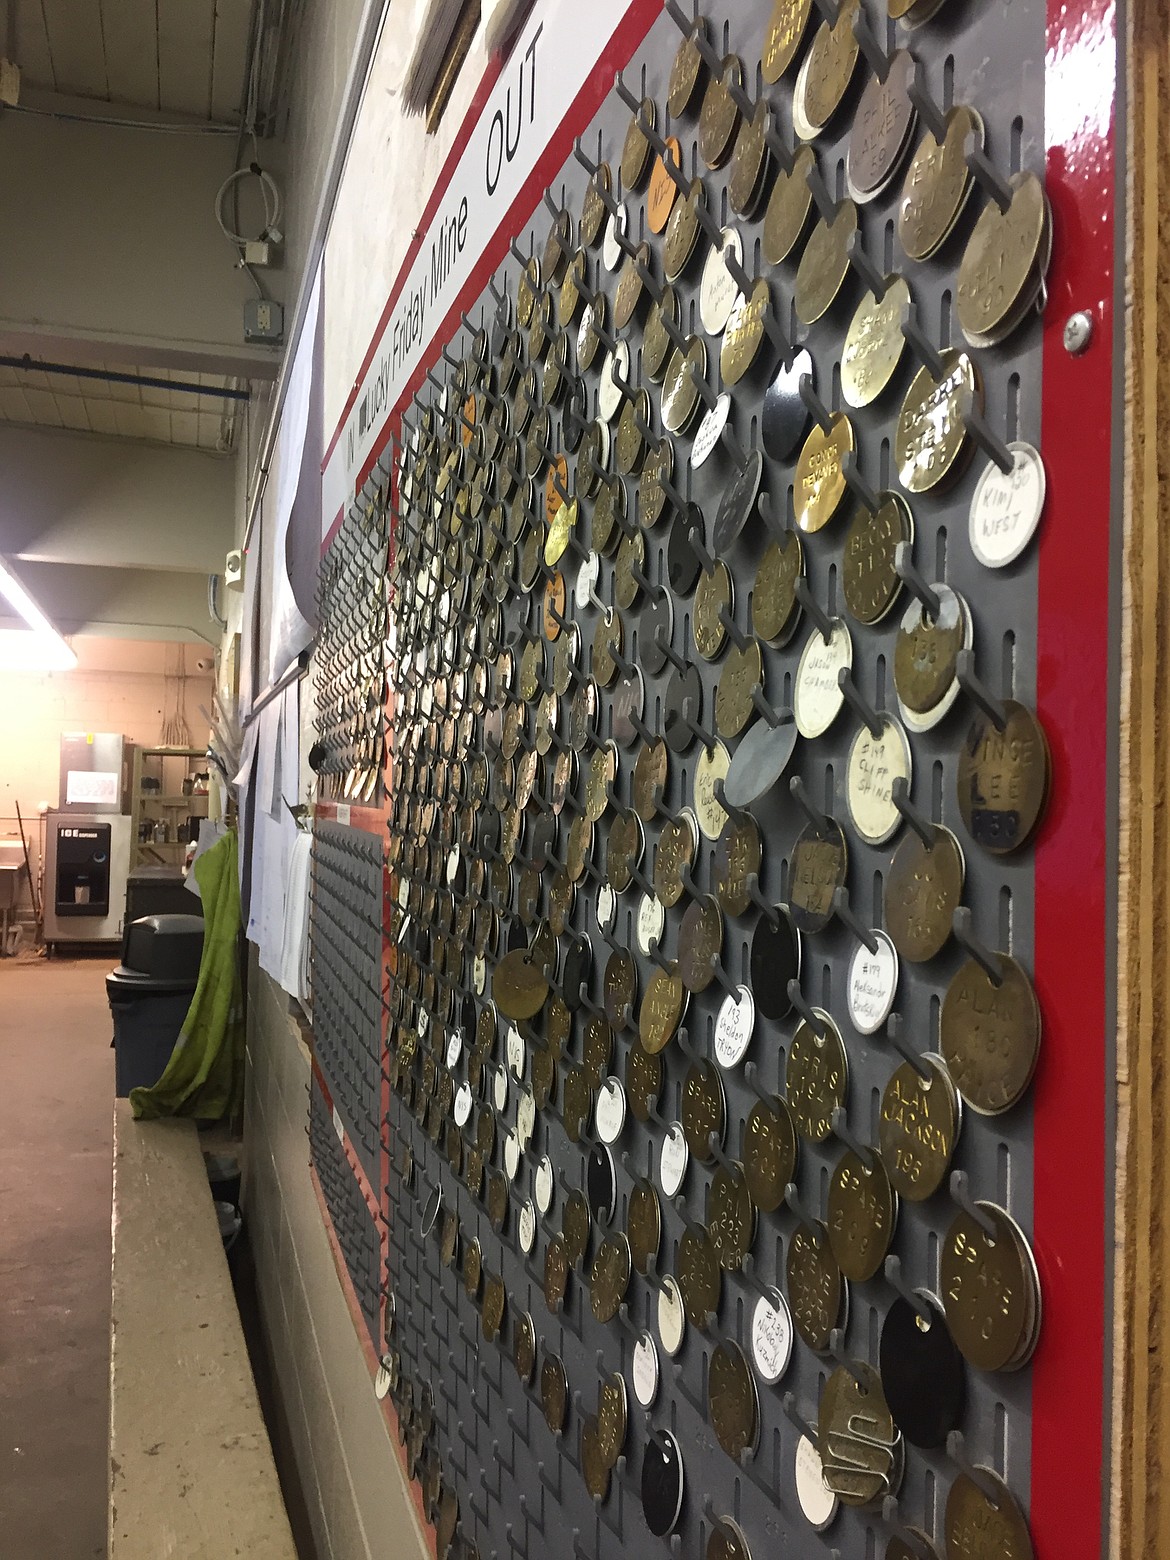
(263, 320)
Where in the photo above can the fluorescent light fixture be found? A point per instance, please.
(46, 649)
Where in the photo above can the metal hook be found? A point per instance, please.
(961, 1195)
(825, 203)
(738, 453)
(750, 1270)
(893, 1271)
(738, 638)
(677, 337)
(652, 286)
(765, 709)
(840, 1125)
(770, 911)
(589, 167)
(793, 1413)
(708, 223)
(855, 253)
(977, 426)
(778, 525)
(736, 271)
(820, 821)
(817, 409)
(776, 143)
(678, 17)
(777, 335)
(978, 690)
(908, 573)
(868, 43)
(519, 254)
(986, 175)
(705, 391)
(820, 618)
(699, 548)
(845, 912)
(922, 826)
(989, 962)
(861, 706)
(801, 1003)
(857, 484)
(957, 1452)
(662, 640)
(837, 1350)
(921, 345)
(738, 813)
(928, 110)
(627, 97)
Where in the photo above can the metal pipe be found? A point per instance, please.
(28, 364)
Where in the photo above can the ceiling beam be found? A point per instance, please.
(110, 248)
(74, 498)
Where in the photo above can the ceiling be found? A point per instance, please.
(182, 56)
(32, 399)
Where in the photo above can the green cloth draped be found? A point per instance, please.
(205, 1075)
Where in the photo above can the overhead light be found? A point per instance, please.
(42, 648)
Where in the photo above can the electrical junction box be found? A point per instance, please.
(263, 320)
(258, 252)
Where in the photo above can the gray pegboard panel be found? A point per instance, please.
(345, 931)
(504, 1450)
(353, 1224)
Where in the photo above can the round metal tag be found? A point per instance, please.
(672, 1162)
(717, 290)
(644, 1371)
(610, 1111)
(874, 764)
(672, 1315)
(817, 696)
(1006, 508)
(649, 924)
(872, 982)
(733, 1027)
(771, 1337)
(817, 1502)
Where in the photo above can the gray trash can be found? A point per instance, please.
(149, 994)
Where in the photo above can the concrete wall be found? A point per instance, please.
(118, 685)
(358, 1503)
(110, 239)
(74, 498)
(128, 603)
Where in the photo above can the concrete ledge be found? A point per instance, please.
(191, 1468)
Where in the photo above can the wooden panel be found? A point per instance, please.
(1140, 1505)
(131, 33)
(230, 49)
(185, 29)
(32, 45)
(79, 54)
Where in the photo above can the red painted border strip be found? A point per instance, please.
(371, 1358)
(372, 1201)
(372, 820)
(1071, 936)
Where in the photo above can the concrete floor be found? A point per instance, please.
(56, 1112)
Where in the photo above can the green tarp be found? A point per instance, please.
(205, 1075)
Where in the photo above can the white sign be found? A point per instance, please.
(91, 788)
(523, 118)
